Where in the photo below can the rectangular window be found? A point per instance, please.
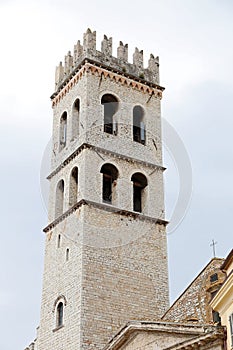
(231, 328)
(214, 277)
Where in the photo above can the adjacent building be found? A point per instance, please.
(223, 300)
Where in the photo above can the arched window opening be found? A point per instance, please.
(67, 254)
(139, 132)
(73, 195)
(75, 118)
(139, 184)
(110, 174)
(63, 130)
(60, 314)
(59, 198)
(59, 241)
(110, 104)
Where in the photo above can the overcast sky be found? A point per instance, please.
(194, 41)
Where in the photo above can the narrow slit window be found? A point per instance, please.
(67, 254)
(59, 241)
(60, 315)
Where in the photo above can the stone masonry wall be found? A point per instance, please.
(117, 263)
(193, 304)
(124, 274)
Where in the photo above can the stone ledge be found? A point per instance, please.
(105, 207)
(103, 151)
(57, 328)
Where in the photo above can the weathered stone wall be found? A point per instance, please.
(167, 336)
(104, 57)
(117, 266)
(193, 304)
(62, 279)
(126, 279)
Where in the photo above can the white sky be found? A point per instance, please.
(194, 42)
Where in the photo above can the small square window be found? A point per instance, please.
(214, 277)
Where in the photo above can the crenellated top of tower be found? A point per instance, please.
(87, 50)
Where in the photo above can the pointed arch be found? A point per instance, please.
(110, 175)
(139, 183)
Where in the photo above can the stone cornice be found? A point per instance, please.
(103, 151)
(105, 207)
(209, 338)
(202, 334)
(101, 70)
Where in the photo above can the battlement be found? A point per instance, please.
(87, 50)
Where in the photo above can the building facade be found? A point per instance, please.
(106, 254)
(223, 300)
(193, 305)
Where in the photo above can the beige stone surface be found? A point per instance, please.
(117, 266)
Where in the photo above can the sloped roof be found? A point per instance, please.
(227, 261)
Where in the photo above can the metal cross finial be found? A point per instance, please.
(213, 244)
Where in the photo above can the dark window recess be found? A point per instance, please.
(139, 133)
(67, 254)
(213, 294)
(136, 133)
(60, 314)
(214, 278)
(77, 105)
(59, 241)
(216, 317)
(110, 104)
(110, 174)
(108, 123)
(107, 188)
(139, 183)
(137, 195)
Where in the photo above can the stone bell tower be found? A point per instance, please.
(105, 255)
